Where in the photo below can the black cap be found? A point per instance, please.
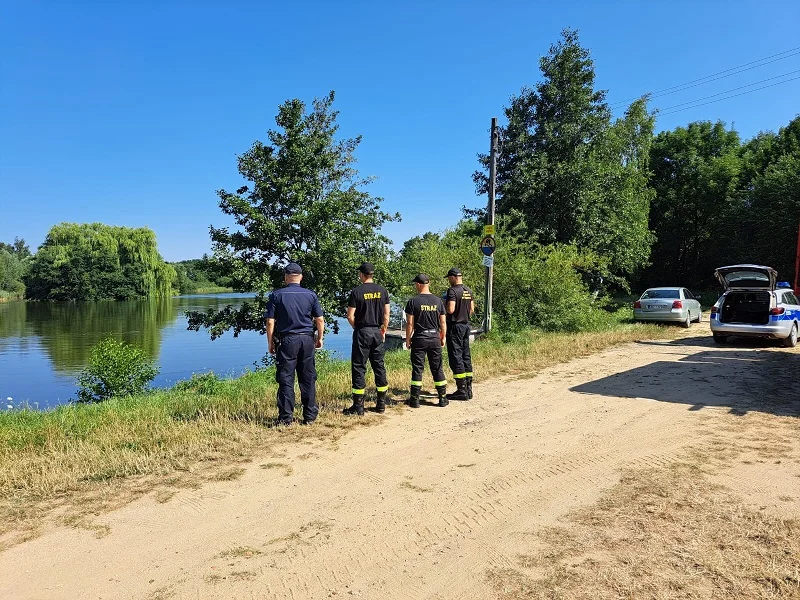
(422, 278)
(454, 272)
(293, 269)
(367, 268)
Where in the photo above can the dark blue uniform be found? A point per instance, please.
(294, 309)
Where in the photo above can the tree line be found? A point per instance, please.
(100, 262)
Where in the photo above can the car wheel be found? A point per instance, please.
(720, 338)
(688, 322)
(791, 341)
(700, 317)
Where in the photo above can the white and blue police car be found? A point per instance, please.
(754, 304)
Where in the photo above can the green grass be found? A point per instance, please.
(198, 429)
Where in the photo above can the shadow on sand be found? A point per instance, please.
(745, 375)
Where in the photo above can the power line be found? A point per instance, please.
(727, 97)
(717, 76)
(741, 87)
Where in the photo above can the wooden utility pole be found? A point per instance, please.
(487, 318)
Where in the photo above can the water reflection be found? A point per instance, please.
(69, 330)
(43, 345)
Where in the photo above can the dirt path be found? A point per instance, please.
(423, 504)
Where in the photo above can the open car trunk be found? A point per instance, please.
(746, 307)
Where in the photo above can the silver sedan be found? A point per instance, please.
(674, 304)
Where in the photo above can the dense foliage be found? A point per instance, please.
(115, 369)
(15, 261)
(98, 262)
(304, 202)
(545, 286)
(720, 201)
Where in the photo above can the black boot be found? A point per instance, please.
(441, 390)
(413, 398)
(380, 402)
(358, 406)
(461, 392)
(468, 384)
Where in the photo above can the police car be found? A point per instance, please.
(755, 305)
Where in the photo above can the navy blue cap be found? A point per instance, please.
(422, 278)
(293, 269)
(367, 268)
(454, 272)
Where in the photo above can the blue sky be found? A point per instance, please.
(132, 113)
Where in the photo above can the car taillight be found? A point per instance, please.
(637, 304)
(677, 304)
(778, 310)
(714, 310)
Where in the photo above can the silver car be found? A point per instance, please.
(674, 304)
(754, 305)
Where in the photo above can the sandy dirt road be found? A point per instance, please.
(426, 502)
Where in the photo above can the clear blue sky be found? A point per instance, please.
(132, 113)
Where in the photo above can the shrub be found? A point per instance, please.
(541, 287)
(115, 369)
(206, 384)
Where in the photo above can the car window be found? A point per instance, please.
(747, 279)
(789, 298)
(651, 294)
(687, 294)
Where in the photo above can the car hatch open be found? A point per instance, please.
(747, 277)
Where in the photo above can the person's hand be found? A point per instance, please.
(442, 341)
(318, 343)
(272, 348)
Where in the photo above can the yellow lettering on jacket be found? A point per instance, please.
(372, 296)
(428, 307)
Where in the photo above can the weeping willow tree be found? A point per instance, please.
(98, 262)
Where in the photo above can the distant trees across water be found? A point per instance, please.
(200, 276)
(98, 262)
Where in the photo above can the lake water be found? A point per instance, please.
(44, 345)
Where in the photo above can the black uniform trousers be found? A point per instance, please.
(430, 346)
(295, 353)
(368, 344)
(458, 353)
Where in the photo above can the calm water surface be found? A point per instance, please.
(44, 345)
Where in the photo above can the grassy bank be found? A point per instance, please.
(201, 428)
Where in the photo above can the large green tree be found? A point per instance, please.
(98, 262)
(304, 202)
(697, 212)
(570, 174)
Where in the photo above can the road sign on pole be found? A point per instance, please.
(488, 245)
(488, 261)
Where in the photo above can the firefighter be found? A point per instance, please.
(368, 313)
(292, 314)
(425, 334)
(460, 305)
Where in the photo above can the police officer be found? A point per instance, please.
(368, 314)
(460, 304)
(425, 333)
(292, 314)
